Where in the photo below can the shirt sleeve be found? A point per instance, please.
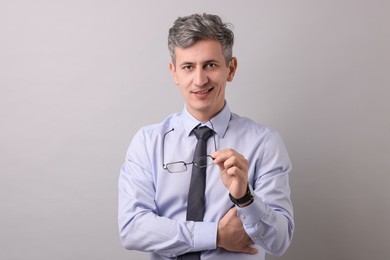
(269, 219)
(140, 226)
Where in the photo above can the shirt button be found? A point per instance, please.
(242, 216)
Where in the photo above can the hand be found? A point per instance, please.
(234, 171)
(232, 236)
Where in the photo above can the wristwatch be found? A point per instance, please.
(245, 199)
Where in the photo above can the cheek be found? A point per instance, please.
(184, 91)
(221, 92)
(183, 81)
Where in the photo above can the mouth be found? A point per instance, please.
(203, 92)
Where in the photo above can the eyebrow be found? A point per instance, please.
(204, 62)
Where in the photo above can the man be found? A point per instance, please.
(246, 209)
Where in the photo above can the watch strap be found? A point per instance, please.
(246, 198)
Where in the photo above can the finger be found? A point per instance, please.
(220, 166)
(222, 155)
(233, 171)
(232, 211)
(247, 240)
(236, 160)
(217, 159)
(247, 243)
(250, 250)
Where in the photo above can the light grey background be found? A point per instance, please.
(78, 78)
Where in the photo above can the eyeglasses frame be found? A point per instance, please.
(194, 162)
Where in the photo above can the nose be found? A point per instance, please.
(200, 77)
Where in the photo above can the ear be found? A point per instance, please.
(232, 69)
(172, 68)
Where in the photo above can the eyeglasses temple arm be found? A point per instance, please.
(163, 148)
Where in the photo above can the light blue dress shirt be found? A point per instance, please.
(152, 201)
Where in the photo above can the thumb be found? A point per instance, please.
(219, 163)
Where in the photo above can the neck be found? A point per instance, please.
(205, 117)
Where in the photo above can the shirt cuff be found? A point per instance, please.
(205, 236)
(249, 215)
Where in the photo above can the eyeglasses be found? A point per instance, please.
(181, 166)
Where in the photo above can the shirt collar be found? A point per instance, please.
(219, 123)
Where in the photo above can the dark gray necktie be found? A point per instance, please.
(196, 201)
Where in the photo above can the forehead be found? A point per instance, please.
(200, 51)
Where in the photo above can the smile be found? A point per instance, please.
(203, 91)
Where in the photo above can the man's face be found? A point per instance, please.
(201, 73)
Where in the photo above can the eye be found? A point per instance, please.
(187, 67)
(210, 66)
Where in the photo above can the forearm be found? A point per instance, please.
(151, 233)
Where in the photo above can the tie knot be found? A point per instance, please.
(203, 132)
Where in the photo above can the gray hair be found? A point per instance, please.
(189, 29)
